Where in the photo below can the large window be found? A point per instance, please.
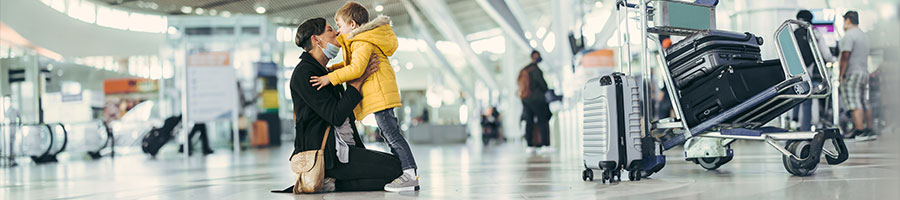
(90, 12)
(82, 10)
(112, 18)
(147, 23)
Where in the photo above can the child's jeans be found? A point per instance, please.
(390, 131)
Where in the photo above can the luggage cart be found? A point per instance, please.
(746, 121)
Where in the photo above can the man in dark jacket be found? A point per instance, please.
(316, 110)
(536, 110)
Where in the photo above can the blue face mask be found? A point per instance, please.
(330, 50)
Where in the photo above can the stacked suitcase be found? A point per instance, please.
(727, 87)
(613, 140)
(715, 70)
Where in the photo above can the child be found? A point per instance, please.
(360, 39)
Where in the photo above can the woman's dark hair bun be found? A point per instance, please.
(310, 27)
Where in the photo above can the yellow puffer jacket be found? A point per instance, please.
(380, 90)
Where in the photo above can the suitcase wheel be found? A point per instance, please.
(611, 176)
(634, 175)
(587, 174)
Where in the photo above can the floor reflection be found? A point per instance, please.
(463, 171)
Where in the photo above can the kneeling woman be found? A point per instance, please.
(349, 166)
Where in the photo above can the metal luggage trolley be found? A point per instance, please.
(708, 143)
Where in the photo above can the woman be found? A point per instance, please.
(347, 162)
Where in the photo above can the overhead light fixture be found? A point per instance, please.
(199, 11)
(226, 14)
(379, 8)
(213, 12)
(409, 65)
(549, 42)
(540, 32)
(172, 30)
(598, 4)
(260, 10)
(186, 9)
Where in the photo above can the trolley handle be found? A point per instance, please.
(817, 57)
(625, 3)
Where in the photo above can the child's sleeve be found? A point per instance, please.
(336, 66)
(357, 66)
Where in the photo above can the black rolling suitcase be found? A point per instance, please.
(707, 51)
(157, 137)
(707, 62)
(728, 87)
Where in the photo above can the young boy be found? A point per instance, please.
(360, 39)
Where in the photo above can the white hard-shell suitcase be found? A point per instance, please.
(612, 126)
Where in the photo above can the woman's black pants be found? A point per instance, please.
(366, 170)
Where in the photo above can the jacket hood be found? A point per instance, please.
(378, 32)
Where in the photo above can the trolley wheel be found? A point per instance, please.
(710, 163)
(588, 174)
(801, 149)
(646, 174)
(725, 160)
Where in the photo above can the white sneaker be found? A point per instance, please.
(865, 136)
(547, 149)
(409, 181)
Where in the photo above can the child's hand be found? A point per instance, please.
(319, 81)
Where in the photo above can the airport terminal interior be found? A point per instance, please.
(449, 99)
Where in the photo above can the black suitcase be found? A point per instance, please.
(154, 140)
(711, 39)
(755, 118)
(157, 137)
(727, 87)
(707, 62)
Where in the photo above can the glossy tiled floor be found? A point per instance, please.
(464, 172)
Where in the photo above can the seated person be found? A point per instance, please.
(349, 166)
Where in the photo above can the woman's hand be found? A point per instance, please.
(371, 68)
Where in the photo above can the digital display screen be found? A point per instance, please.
(823, 16)
(828, 34)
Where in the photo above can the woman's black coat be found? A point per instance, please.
(315, 110)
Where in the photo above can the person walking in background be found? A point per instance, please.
(490, 126)
(204, 138)
(855, 76)
(535, 109)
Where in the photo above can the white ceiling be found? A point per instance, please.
(50, 29)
